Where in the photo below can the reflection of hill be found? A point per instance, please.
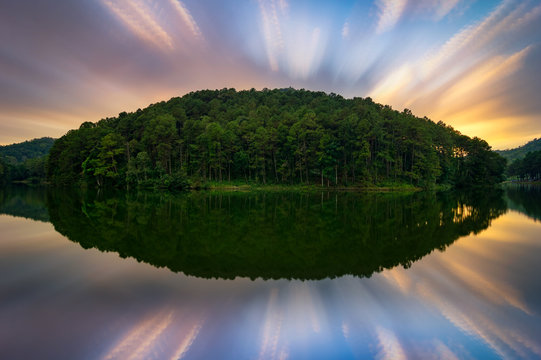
(24, 202)
(525, 199)
(272, 235)
(268, 235)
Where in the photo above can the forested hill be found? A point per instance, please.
(31, 149)
(281, 136)
(24, 161)
(521, 151)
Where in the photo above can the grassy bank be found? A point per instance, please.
(242, 186)
(525, 182)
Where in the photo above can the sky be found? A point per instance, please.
(473, 64)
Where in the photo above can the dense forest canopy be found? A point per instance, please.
(526, 168)
(525, 161)
(20, 152)
(284, 136)
(25, 161)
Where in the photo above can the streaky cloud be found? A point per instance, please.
(389, 346)
(136, 16)
(272, 32)
(89, 60)
(390, 11)
(444, 7)
(185, 15)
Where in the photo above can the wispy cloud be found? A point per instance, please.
(461, 74)
(271, 328)
(187, 342)
(151, 24)
(390, 11)
(452, 60)
(443, 352)
(436, 9)
(392, 85)
(272, 32)
(284, 5)
(345, 30)
(304, 51)
(136, 16)
(484, 76)
(140, 337)
(293, 47)
(186, 17)
(389, 346)
(168, 334)
(273, 14)
(444, 7)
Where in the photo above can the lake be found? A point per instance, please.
(270, 275)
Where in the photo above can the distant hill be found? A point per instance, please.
(521, 151)
(25, 161)
(31, 149)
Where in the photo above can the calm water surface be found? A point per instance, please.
(270, 275)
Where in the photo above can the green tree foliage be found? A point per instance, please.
(272, 136)
(103, 163)
(26, 161)
(5, 174)
(478, 164)
(32, 149)
(527, 168)
(521, 151)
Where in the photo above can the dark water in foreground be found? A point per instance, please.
(270, 275)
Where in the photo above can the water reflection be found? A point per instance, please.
(26, 202)
(525, 199)
(272, 235)
(477, 299)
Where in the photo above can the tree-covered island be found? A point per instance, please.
(281, 136)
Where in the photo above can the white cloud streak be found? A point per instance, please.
(345, 30)
(186, 17)
(150, 23)
(395, 52)
(187, 342)
(136, 16)
(389, 346)
(271, 31)
(444, 7)
(293, 47)
(462, 74)
(390, 11)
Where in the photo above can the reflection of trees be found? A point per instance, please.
(24, 201)
(272, 235)
(268, 235)
(525, 198)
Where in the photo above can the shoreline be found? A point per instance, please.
(525, 182)
(308, 188)
(260, 187)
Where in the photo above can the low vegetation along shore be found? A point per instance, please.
(239, 186)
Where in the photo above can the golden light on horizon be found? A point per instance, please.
(472, 66)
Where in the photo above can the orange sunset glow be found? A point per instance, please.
(471, 64)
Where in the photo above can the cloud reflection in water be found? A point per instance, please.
(476, 299)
